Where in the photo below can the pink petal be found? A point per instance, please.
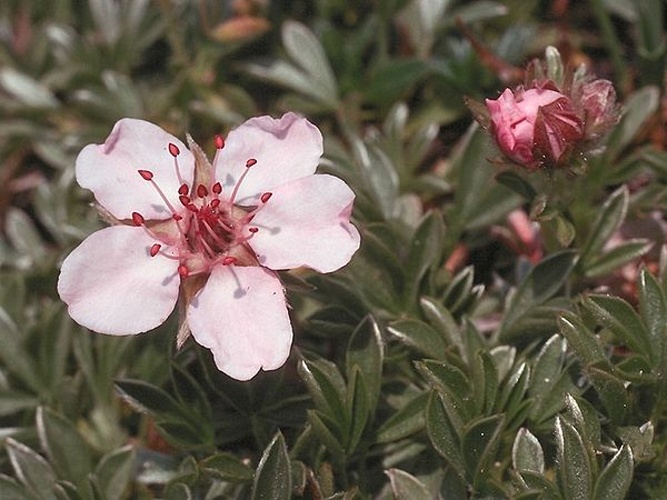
(285, 149)
(307, 223)
(109, 170)
(241, 316)
(112, 285)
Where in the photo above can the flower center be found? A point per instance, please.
(208, 228)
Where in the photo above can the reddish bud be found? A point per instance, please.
(173, 150)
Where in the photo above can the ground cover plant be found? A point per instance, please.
(326, 249)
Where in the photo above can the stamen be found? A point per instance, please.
(138, 219)
(232, 198)
(217, 188)
(183, 271)
(215, 203)
(253, 230)
(147, 175)
(185, 200)
(265, 197)
(174, 151)
(202, 192)
(219, 141)
(177, 217)
(229, 261)
(250, 163)
(183, 190)
(155, 249)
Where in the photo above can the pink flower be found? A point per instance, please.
(534, 126)
(212, 233)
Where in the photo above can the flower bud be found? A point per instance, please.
(534, 126)
(552, 118)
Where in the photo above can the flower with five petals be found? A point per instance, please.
(210, 233)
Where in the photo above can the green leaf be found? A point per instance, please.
(325, 385)
(393, 79)
(14, 355)
(639, 108)
(484, 382)
(539, 285)
(574, 468)
(425, 253)
(615, 479)
(420, 336)
(148, 398)
(453, 385)
(325, 429)
(440, 318)
(26, 90)
(480, 444)
(67, 451)
(227, 467)
(518, 184)
(549, 381)
(608, 220)
(115, 471)
(32, 470)
(405, 486)
(538, 482)
(612, 392)
(584, 341)
(273, 477)
(620, 317)
(604, 263)
(527, 453)
(10, 489)
(357, 408)
(365, 351)
(305, 50)
(652, 307)
(442, 434)
(406, 421)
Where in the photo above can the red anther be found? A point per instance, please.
(265, 197)
(253, 229)
(229, 261)
(138, 219)
(155, 249)
(193, 208)
(183, 271)
(250, 162)
(177, 217)
(202, 192)
(214, 203)
(147, 175)
(185, 200)
(219, 141)
(183, 190)
(217, 188)
(173, 150)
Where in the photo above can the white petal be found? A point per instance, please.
(307, 223)
(109, 170)
(241, 316)
(112, 285)
(285, 149)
